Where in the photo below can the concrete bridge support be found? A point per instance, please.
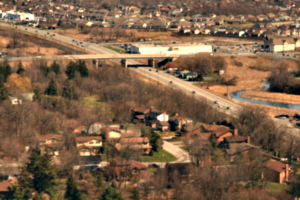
(124, 63)
(151, 62)
(96, 63)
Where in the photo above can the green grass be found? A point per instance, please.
(275, 188)
(114, 49)
(161, 156)
(92, 101)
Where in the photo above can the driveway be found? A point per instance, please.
(180, 154)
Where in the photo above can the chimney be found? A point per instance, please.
(151, 109)
(235, 131)
(248, 140)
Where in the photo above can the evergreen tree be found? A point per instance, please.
(43, 176)
(37, 95)
(110, 193)
(3, 93)
(99, 180)
(135, 194)
(44, 69)
(82, 69)
(55, 67)
(71, 69)
(69, 91)
(72, 193)
(7, 71)
(52, 88)
(20, 68)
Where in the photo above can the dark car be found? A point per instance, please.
(193, 92)
(150, 69)
(282, 116)
(171, 82)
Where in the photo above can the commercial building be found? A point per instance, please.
(281, 44)
(17, 16)
(170, 48)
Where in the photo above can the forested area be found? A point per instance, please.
(283, 80)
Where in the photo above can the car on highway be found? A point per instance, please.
(228, 108)
(219, 106)
(281, 116)
(157, 70)
(53, 35)
(193, 92)
(215, 102)
(150, 69)
(171, 82)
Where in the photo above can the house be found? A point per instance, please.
(238, 149)
(94, 142)
(50, 144)
(5, 185)
(276, 171)
(212, 130)
(110, 133)
(177, 122)
(138, 114)
(157, 120)
(121, 168)
(138, 143)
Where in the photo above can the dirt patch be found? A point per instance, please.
(272, 97)
(155, 36)
(248, 79)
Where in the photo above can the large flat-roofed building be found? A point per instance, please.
(170, 48)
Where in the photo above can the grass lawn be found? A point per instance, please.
(275, 188)
(92, 101)
(114, 49)
(161, 156)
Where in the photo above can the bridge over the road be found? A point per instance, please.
(95, 57)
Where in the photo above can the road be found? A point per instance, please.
(160, 77)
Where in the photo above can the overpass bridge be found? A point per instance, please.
(95, 57)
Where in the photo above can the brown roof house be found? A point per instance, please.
(138, 143)
(50, 144)
(110, 133)
(5, 185)
(177, 122)
(276, 171)
(208, 130)
(121, 168)
(138, 114)
(89, 145)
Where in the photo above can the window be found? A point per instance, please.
(91, 142)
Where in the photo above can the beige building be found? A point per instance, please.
(280, 44)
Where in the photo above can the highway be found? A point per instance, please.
(159, 76)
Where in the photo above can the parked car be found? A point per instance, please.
(292, 119)
(281, 116)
